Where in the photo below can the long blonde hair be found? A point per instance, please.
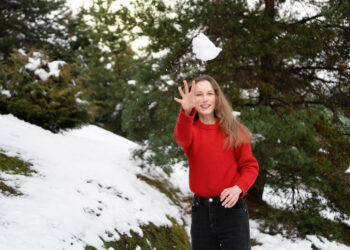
(236, 133)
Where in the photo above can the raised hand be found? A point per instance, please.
(187, 100)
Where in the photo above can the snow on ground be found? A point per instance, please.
(86, 186)
(278, 242)
(283, 200)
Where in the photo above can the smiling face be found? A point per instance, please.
(204, 98)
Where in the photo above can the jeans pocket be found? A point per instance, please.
(239, 206)
(238, 210)
(195, 206)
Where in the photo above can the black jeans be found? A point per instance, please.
(216, 227)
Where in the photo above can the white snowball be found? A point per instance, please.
(203, 48)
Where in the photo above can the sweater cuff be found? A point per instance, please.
(186, 117)
(241, 195)
(244, 185)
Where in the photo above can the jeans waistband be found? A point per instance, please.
(214, 201)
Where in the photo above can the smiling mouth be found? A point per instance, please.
(205, 106)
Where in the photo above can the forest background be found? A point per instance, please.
(286, 72)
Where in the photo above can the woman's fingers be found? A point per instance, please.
(181, 92)
(185, 95)
(223, 194)
(186, 86)
(232, 202)
(193, 86)
(227, 199)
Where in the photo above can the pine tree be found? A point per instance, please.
(99, 44)
(25, 23)
(298, 66)
(51, 103)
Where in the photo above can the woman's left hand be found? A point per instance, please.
(231, 194)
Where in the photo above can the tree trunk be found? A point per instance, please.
(264, 98)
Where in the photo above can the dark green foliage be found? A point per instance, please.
(51, 104)
(146, 119)
(105, 60)
(302, 221)
(296, 222)
(298, 152)
(24, 23)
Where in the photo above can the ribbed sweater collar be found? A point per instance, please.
(207, 126)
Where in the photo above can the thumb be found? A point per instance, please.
(178, 100)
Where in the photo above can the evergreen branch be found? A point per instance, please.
(280, 100)
(311, 78)
(304, 20)
(315, 67)
(333, 26)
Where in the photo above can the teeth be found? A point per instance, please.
(205, 106)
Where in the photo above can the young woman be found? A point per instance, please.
(221, 166)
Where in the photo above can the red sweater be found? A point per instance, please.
(211, 168)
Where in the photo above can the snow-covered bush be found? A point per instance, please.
(41, 92)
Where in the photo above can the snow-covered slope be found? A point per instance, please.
(86, 186)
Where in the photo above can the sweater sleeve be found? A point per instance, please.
(248, 167)
(183, 128)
